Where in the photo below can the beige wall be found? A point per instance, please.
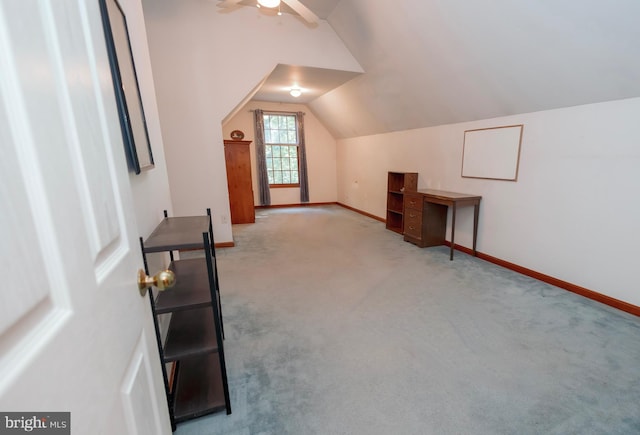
(150, 188)
(205, 63)
(572, 214)
(321, 154)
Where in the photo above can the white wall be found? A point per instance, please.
(321, 154)
(574, 212)
(205, 62)
(150, 188)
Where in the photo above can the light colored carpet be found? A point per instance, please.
(335, 325)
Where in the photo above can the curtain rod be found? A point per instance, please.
(276, 111)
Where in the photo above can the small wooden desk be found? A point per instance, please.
(426, 216)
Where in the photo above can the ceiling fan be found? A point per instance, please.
(298, 7)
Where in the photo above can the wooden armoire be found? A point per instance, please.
(238, 160)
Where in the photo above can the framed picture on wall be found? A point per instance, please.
(492, 153)
(125, 83)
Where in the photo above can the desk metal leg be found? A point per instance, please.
(453, 229)
(476, 213)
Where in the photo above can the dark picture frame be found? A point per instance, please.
(125, 83)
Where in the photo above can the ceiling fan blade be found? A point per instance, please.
(227, 3)
(302, 10)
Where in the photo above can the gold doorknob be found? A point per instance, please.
(162, 281)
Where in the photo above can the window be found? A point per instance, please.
(281, 149)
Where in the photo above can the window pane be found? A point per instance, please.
(277, 177)
(282, 152)
(280, 129)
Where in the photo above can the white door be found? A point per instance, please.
(75, 334)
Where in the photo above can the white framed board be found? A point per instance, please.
(492, 153)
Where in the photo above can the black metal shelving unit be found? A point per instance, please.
(196, 384)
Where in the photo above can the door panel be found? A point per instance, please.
(137, 388)
(14, 307)
(38, 308)
(90, 148)
(75, 334)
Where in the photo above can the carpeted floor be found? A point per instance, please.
(335, 325)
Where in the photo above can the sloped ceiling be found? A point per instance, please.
(433, 62)
(313, 83)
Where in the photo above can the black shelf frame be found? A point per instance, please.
(194, 342)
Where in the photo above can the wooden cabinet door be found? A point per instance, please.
(238, 160)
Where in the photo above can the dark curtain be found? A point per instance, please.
(261, 159)
(304, 179)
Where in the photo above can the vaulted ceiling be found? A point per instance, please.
(433, 62)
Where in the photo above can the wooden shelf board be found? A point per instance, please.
(191, 333)
(191, 289)
(395, 229)
(177, 233)
(199, 389)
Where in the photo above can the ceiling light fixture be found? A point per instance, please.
(295, 92)
(269, 3)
